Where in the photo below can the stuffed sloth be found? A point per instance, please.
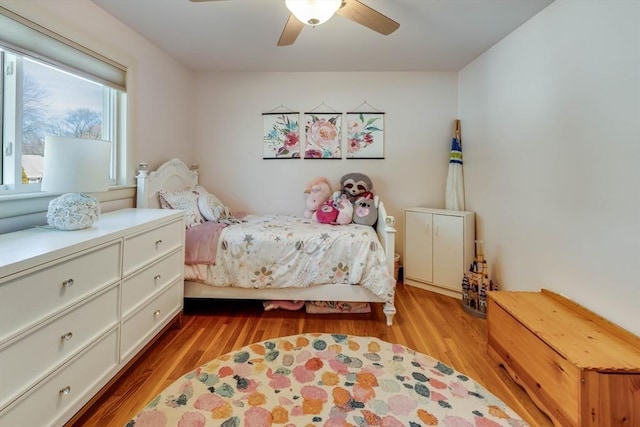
(356, 185)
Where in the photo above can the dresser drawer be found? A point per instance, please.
(27, 360)
(141, 286)
(49, 405)
(28, 299)
(146, 322)
(144, 248)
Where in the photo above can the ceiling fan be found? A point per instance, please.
(315, 12)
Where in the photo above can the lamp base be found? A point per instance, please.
(73, 211)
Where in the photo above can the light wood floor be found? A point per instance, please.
(426, 322)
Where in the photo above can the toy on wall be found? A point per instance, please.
(365, 211)
(356, 185)
(318, 191)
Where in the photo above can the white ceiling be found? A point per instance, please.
(241, 35)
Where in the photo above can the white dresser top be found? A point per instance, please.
(24, 249)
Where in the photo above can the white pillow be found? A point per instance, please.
(211, 208)
(184, 200)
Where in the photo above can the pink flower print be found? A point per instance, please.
(322, 133)
(401, 405)
(437, 397)
(153, 418)
(390, 421)
(454, 421)
(208, 402)
(192, 419)
(279, 381)
(291, 140)
(243, 369)
(339, 367)
(257, 417)
(303, 356)
(313, 399)
(303, 375)
(459, 390)
(353, 145)
(485, 422)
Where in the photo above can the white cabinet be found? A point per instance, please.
(76, 306)
(438, 248)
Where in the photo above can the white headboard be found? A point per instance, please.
(173, 175)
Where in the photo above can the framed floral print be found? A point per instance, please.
(281, 136)
(365, 135)
(323, 136)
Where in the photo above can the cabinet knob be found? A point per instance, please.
(67, 283)
(157, 277)
(156, 313)
(67, 336)
(158, 242)
(65, 391)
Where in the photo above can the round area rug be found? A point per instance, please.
(325, 380)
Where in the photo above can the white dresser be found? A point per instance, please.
(438, 248)
(77, 306)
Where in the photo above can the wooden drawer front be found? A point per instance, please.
(48, 405)
(30, 358)
(137, 329)
(144, 248)
(27, 300)
(549, 378)
(143, 285)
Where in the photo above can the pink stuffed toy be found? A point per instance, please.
(327, 213)
(345, 210)
(318, 191)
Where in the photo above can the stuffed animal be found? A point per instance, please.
(345, 210)
(356, 185)
(327, 213)
(318, 191)
(365, 211)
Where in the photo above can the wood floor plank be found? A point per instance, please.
(429, 323)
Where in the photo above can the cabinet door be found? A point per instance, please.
(448, 251)
(418, 254)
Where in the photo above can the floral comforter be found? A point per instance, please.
(279, 251)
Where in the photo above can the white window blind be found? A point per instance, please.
(31, 39)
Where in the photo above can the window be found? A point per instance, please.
(52, 86)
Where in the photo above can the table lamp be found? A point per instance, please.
(75, 166)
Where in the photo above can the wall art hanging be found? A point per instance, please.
(365, 134)
(323, 134)
(281, 135)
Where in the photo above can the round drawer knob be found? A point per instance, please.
(67, 283)
(67, 336)
(158, 242)
(65, 391)
(157, 277)
(156, 313)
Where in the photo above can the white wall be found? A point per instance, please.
(551, 135)
(419, 112)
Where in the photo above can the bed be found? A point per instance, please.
(174, 176)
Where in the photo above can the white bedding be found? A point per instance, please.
(279, 251)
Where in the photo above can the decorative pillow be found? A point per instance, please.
(212, 209)
(184, 200)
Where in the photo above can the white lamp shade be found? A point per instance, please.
(75, 165)
(313, 12)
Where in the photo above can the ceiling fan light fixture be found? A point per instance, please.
(313, 12)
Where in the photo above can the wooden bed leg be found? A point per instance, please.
(389, 311)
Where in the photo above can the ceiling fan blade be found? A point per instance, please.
(370, 18)
(291, 30)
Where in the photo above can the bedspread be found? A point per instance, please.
(279, 251)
